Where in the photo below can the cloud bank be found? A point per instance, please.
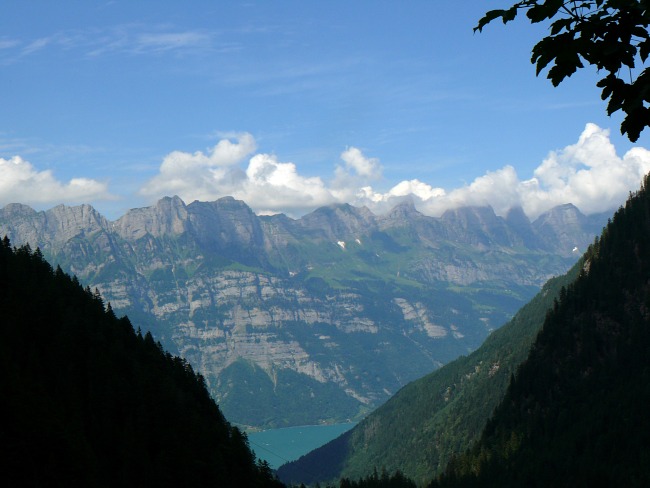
(588, 174)
(20, 182)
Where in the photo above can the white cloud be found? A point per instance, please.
(355, 172)
(171, 41)
(417, 188)
(134, 38)
(588, 174)
(361, 165)
(224, 153)
(414, 190)
(273, 186)
(20, 182)
(267, 185)
(36, 45)
(201, 176)
(499, 189)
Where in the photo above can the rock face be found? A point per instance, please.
(315, 319)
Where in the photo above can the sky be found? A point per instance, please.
(292, 105)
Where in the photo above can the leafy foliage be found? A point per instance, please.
(575, 413)
(88, 402)
(611, 35)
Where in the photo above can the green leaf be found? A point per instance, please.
(559, 25)
(546, 10)
(487, 18)
(606, 86)
(634, 123)
(505, 15)
(644, 50)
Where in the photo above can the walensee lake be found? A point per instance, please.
(278, 446)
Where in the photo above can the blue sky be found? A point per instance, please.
(289, 105)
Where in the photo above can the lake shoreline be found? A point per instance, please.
(286, 444)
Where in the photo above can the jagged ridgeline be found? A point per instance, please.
(304, 321)
(430, 420)
(88, 402)
(576, 412)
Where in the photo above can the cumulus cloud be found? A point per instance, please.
(498, 189)
(364, 167)
(355, 172)
(588, 174)
(411, 190)
(199, 175)
(266, 184)
(20, 182)
(271, 185)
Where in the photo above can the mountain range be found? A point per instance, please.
(302, 321)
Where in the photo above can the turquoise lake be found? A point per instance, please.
(278, 446)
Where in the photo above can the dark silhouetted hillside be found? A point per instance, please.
(576, 411)
(86, 401)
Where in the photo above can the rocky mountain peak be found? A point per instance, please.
(520, 224)
(68, 222)
(226, 223)
(481, 225)
(517, 216)
(53, 227)
(167, 217)
(17, 210)
(562, 214)
(340, 221)
(403, 211)
(472, 215)
(563, 227)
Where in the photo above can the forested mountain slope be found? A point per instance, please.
(420, 428)
(88, 402)
(576, 412)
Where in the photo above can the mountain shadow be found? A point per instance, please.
(86, 401)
